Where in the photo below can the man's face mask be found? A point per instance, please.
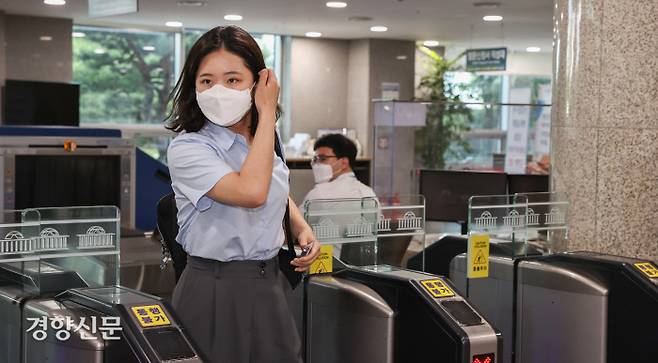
(322, 173)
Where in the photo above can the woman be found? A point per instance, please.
(231, 193)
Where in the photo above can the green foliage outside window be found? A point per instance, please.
(124, 76)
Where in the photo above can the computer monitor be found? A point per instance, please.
(518, 183)
(41, 103)
(447, 192)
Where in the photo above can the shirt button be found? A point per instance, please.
(262, 272)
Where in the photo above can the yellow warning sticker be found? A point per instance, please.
(150, 315)
(478, 256)
(437, 288)
(648, 269)
(324, 262)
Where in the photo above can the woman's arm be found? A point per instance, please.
(297, 221)
(305, 236)
(248, 188)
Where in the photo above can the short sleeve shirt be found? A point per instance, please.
(213, 230)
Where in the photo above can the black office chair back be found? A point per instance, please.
(168, 227)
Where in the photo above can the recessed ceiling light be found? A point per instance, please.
(313, 34)
(191, 3)
(99, 51)
(533, 49)
(233, 17)
(45, 38)
(431, 43)
(492, 18)
(54, 2)
(336, 4)
(78, 34)
(378, 28)
(148, 48)
(174, 24)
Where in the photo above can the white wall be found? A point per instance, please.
(334, 81)
(29, 58)
(358, 90)
(530, 63)
(319, 84)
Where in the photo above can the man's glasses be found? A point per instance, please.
(321, 158)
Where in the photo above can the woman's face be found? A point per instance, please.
(225, 68)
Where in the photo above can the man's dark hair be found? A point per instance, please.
(342, 146)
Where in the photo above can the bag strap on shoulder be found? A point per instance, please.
(286, 218)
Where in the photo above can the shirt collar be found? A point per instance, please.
(224, 137)
(349, 174)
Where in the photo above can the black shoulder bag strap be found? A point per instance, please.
(285, 256)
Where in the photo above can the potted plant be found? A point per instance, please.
(447, 117)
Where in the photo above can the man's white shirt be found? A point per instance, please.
(345, 186)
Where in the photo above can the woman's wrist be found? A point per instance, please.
(267, 114)
(304, 229)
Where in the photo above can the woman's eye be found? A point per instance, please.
(233, 81)
(205, 82)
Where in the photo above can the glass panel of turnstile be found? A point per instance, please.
(349, 226)
(519, 226)
(383, 313)
(401, 230)
(59, 294)
(19, 278)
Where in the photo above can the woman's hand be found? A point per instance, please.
(266, 96)
(306, 237)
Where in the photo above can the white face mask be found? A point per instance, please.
(322, 173)
(224, 106)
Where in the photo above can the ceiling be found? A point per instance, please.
(526, 22)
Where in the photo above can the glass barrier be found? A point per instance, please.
(93, 248)
(546, 221)
(511, 137)
(349, 225)
(50, 249)
(19, 261)
(401, 229)
(522, 222)
(364, 232)
(502, 218)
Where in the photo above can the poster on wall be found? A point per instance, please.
(100, 8)
(517, 131)
(490, 59)
(543, 128)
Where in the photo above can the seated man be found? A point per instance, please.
(332, 164)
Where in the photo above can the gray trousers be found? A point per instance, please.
(238, 312)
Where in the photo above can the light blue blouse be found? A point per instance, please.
(209, 229)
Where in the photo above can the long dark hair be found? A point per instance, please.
(185, 112)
